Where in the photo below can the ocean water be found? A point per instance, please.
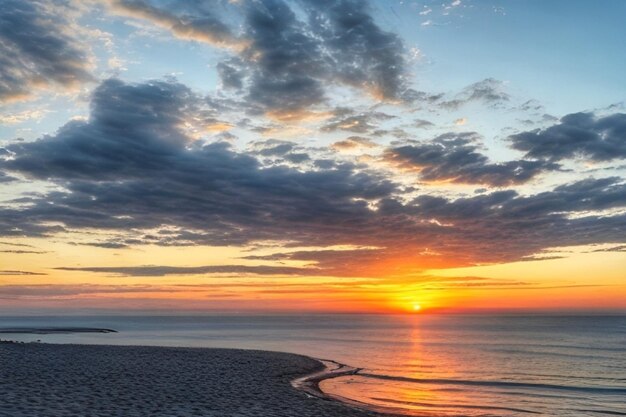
(423, 365)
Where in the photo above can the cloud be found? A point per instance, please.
(542, 220)
(130, 165)
(132, 169)
(19, 245)
(159, 271)
(131, 127)
(618, 248)
(283, 65)
(105, 245)
(38, 49)
(288, 54)
(14, 272)
(20, 251)
(582, 135)
(346, 120)
(423, 124)
(230, 76)
(4, 178)
(273, 147)
(352, 143)
(361, 53)
(199, 24)
(488, 91)
(456, 158)
(328, 261)
(69, 290)
(290, 62)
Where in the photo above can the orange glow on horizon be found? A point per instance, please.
(392, 285)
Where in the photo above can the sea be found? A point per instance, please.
(422, 365)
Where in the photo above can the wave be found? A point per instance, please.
(552, 353)
(468, 406)
(605, 412)
(497, 384)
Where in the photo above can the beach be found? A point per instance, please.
(508, 366)
(38, 379)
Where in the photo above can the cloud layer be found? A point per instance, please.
(157, 163)
(456, 158)
(38, 49)
(584, 135)
(131, 168)
(286, 55)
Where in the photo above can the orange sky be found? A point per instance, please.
(581, 281)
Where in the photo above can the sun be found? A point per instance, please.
(417, 308)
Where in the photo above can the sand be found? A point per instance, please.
(81, 380)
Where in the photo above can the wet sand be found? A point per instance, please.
(82, 380)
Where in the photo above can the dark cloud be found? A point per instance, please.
(331, 262)
(14, 272)
(488, 91)
(20, 251)
(61, 290)
(231, 76)
(131, 169)
(531, 223)
(274, 151)
(539, 257)
(297, 158)
(360, 53)
(619, 248)
(130, 165)
(456, 158)
(582, 135)
(413, 96)
(289, 53)
(347, 120)
(423, 124)
(290, 62)
(131, 128)
(19, 245)
(198, 22)
(106, 245)
(396, 132)
(531, 106)
(159, 271)
(284, 63)
(38, 49)
(4, 178)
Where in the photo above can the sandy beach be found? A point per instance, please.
(83, 380)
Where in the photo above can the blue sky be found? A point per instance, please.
(567, 55)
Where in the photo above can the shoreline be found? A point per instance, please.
(107, 380)
(53, 330)
(332, 369)
(310, 384)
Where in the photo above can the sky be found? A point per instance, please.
(312, 156)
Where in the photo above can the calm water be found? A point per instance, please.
(422, 365)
